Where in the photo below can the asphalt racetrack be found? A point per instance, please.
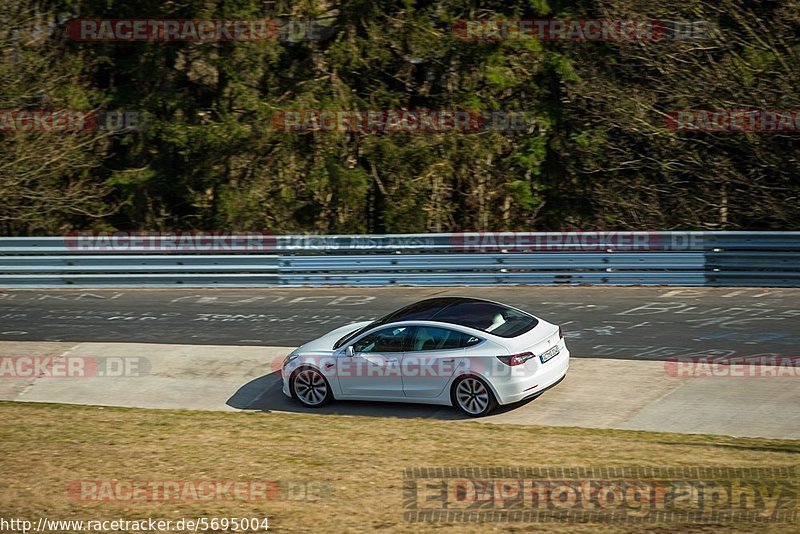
(219, 349)
(635, 323)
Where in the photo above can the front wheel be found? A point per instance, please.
(310, 387)
(473, 396)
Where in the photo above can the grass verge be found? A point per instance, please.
(360, 459)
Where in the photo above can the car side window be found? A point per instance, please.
(426, 338)
(385, 340)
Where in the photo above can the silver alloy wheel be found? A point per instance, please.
(310, 387)
(472, 396)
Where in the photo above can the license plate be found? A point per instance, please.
(549, 355)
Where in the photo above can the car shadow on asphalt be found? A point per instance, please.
(264, 394)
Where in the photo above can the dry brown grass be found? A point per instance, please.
(45, 447)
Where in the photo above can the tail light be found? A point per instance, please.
(560, 333)
(516, 359)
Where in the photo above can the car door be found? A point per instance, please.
(432, 356)
(373, 370)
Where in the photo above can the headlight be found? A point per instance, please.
(289, 359)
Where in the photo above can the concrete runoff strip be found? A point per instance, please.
(597, 393)
(197, 377)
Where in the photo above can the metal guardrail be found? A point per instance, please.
(492, 262)
(138, 264)
(620, 258)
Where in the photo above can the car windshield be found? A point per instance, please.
(352, 335)
(482, 315)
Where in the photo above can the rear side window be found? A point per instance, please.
(488, 317)
(425, 338)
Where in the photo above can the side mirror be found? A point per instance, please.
(350, 351)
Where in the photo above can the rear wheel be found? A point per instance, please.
(311, 388)
(473, 396)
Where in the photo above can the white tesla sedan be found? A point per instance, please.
(457, 351)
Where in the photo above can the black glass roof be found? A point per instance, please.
(480, 314)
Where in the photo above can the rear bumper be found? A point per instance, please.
(519, 388)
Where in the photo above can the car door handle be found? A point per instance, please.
(392, 360)
(448, 360)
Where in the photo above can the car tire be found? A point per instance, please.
(473, 396)
(310, 387)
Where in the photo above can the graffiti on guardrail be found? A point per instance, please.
(227, 241)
